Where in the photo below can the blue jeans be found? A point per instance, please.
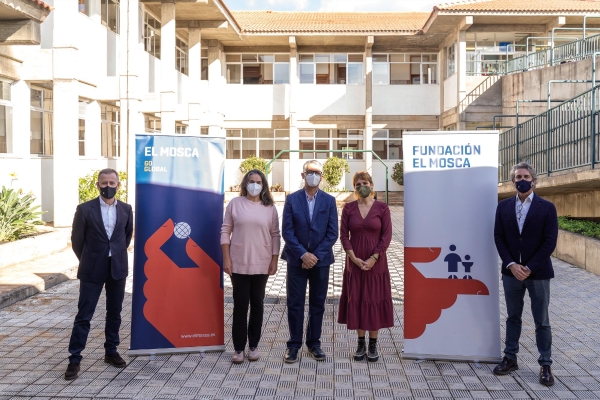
(89, 293)
(539, 293)
(318, 280)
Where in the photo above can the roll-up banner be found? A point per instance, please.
(451, 307)
(177, 273)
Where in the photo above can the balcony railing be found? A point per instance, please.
(564, 137)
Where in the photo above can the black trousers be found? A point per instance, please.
(248, 290)
(89, 293)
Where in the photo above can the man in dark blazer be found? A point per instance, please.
(102, 230)
(310, 229)
(525, 232)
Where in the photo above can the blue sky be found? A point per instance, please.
(333, 5)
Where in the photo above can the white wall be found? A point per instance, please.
(450, 92)
(255, 102)
(378, 174)
(406, 100)
(314, 100)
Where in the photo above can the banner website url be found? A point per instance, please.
(197, 335)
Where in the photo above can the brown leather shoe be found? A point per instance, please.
(72, 371)
(546, 377)
(506, 367)
(115, 360)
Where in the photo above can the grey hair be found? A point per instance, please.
(523, 165)
(309, 162)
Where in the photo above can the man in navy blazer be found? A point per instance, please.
(310, 229)
(525, 232)
(101, 233)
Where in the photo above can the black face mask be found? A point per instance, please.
(523, 186)
(108, 192)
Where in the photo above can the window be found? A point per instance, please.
(332, 69)
(109, 13)
(109, 133)
(82, 137)
(404, 69)
(152, 123)
(387, 144)
(266, 143)
(336, 139)
(180, 128)
(258, 69)
(181, 56)
(41, 141)
(204, 65)
(451, 60)
(204, 130)
(82, 7)
(152, 35)
(5, 118)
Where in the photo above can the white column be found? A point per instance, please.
(66, 114)
(168, 95)
(195, 66)
(368, 136)
(291, 177)
(215, 88)
(461, 70)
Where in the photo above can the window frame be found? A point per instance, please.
(423, 64)
(387, 139)
(181, 56)
(450, 60)
(151, 34)
(105, 17)
(241, 63)
(8, 107)
(240, 138)
(106, 149)
(330, 61)
(47, 114)
(333, 143)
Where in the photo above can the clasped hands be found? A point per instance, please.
(309, 260)
(228, 266)
(362, 264)
(520, 272)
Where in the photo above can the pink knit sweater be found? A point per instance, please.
(252, 231)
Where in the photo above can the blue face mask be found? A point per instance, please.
(523, 186)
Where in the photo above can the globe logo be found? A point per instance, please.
(182, 230)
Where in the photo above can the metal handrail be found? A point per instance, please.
(478, 91)
(561, 138)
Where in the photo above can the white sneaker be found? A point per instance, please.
(238, 358)
(253, 355)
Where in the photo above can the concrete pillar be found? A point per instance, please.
(368, 136)
(195, 65)
(65, 127)
(168, 94)
(216, 83)
(461, 70)
(291, 177)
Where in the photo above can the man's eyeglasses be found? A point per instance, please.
(519, 210)
(309, 173)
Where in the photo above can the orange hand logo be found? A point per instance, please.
(425, 298)
(184, 304)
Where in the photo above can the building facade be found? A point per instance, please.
(102, 71)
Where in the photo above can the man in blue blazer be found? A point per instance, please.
(101, 233)
(525, 232)
(310, 229)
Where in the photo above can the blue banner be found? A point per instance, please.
(177, 269)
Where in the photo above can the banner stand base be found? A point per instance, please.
(151, 352)
(439, 357)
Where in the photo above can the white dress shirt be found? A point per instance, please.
(109, 217)
(311, 204)
(521, 221)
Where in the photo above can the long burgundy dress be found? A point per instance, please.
(366, 301)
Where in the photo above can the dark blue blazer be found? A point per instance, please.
(91, 243)
(537, 241)
(302, 235)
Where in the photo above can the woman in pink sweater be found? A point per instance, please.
(250, 240)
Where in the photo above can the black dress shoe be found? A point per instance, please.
(290, 356)
(115, 360)
(372, 355)
(317, 353)
(72, 371)
(361, 350)
(546, 377)
(506, 366)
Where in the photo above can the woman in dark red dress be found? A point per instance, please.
(365, 233)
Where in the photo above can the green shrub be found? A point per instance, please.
(18, 215)
(586, 228)
(333, 170)
(398, 173)
(88, 190)
(254, 162)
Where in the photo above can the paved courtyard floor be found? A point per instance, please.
(34, 335)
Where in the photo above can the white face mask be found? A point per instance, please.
(254, 189)
(313, 180)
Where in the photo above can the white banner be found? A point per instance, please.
(451, 307)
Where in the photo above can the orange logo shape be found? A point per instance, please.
(184, 304)
(425, 298)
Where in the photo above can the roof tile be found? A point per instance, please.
(525, 6)
(329, 22)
